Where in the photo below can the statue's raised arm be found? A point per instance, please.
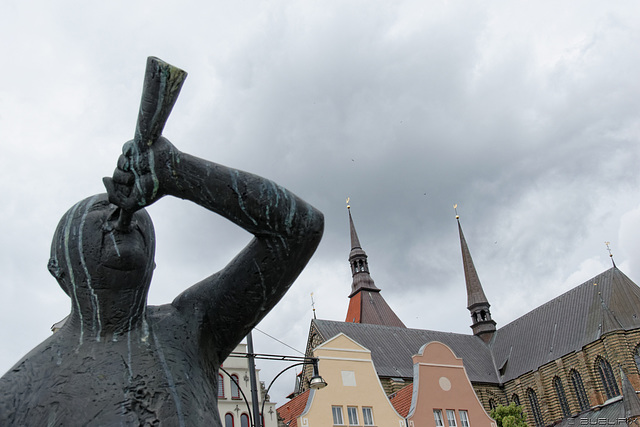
(287, 231)
(117, 361)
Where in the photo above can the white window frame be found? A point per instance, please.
(464, 418)
(336, 412)
(451, 418)
(352, 414)
(437, 415)
(367, 416)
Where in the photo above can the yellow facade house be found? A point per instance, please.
(354, 396)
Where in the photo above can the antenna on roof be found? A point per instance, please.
(313, 306)
(610, 254)
(455, 208)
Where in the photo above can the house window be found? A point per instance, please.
(228, 420)
(367, 416)
(535, 408)
(235, 391)
(437, 415)
(352, 413)
(578, 388)
(451, 417)
(562, 398)
(220, 386)
(244, 420)
(464, 418)
(337, 415)
(606, 376)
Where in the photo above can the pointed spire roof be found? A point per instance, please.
(482, 325)
(359, 265)
(475, 293)
(366, 304)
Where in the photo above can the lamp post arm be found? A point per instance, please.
(246, 401)
(276, 377)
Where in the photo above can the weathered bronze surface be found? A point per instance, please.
(118, 361)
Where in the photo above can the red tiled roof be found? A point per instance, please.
(290, 411)
(401, 400)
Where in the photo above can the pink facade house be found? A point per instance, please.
(442, 393)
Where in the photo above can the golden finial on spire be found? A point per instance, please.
(455, 208)
(348, 206)
(610, 254)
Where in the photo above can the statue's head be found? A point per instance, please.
(89, 254)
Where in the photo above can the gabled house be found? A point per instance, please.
(560, 361)
(354, 395)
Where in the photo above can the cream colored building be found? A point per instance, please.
(354, 395)
(231, 403)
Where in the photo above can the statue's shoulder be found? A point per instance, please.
(28, 378)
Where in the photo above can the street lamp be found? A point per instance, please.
(316, 382)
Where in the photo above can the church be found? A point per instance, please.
(573, 360)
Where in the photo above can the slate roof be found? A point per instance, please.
(370, 307)
(291, 410)
(475, 293)
(608, 414)
(607, 302)
(392, 347)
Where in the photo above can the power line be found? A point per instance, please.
(276, 339)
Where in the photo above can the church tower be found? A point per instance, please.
(477, 304)
(366, 305)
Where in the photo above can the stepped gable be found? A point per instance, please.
(603, 304)
(392, 348)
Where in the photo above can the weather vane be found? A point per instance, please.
(313, 306)
(348, 205)
(455, 208)
(610, 254)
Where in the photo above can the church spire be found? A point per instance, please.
(358, 261)
(366, 305)
(482, 325)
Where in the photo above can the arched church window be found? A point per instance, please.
(578, 388)
(562, 398)
(636, 356)
(483, 315)
(535, 407)
(515, 399)
(606, 377)
(492, 404)
(228, 420)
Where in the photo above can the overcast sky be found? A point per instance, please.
(525, 114)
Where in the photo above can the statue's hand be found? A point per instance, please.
(141, 175)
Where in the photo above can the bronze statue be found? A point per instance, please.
(117, 361)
